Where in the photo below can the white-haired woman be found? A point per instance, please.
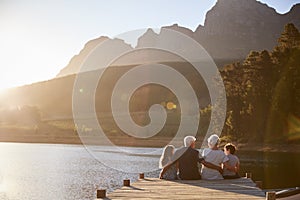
(214, 156)
(165, 159)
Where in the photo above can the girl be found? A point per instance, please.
(171, 173)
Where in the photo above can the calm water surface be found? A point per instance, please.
(275, 169)
(51, 171)
(46, 171)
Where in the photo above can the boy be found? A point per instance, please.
(229, 150)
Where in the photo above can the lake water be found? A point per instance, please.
(51, 171)
(275, 169)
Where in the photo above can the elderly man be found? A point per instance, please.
(187, 159)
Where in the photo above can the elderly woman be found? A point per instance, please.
(214, 156)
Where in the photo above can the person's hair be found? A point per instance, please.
(213, 140)
(188, 140)
(230, 147)
(166, 155)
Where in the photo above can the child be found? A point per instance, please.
(171, 173)
(229, 150)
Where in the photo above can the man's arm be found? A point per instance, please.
(237, 167)
(229, 167)
(178, 153)
(165, 168)
(212, 166)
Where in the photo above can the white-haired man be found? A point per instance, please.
(187, 159)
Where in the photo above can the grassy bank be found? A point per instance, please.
(64, 132)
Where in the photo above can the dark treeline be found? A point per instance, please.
(263, 93)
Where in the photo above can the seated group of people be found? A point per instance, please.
(185, 162)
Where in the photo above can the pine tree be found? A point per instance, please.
(290, 38)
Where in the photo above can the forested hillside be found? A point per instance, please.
(263, 92)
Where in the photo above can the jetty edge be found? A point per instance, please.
(155, 188)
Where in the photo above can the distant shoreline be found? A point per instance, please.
(67, 137)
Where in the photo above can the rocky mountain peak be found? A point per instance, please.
(181, 29)
(231, 30)
(237, 14)
(295, 8)
(76, 61)
(148, 38)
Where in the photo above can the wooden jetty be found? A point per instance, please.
(154, 188)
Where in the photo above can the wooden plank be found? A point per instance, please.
(153, 188)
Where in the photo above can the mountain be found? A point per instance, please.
(231, 30)
(263, 97)
(234, 27)
(77, 60)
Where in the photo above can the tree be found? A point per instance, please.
(252, 58)
(264, 91)
(290, 38)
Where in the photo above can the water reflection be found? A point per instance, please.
(49, 171)
(45, 171)
(275, 169)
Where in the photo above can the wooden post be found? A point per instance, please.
(259, 184)
(101, 194)
(142, 176)
(271, 195)
(126, 182)
(249, 175)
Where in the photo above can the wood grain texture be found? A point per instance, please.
(154, 188)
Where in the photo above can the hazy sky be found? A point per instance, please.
(39, 37)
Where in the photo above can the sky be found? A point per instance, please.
(39, 37)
